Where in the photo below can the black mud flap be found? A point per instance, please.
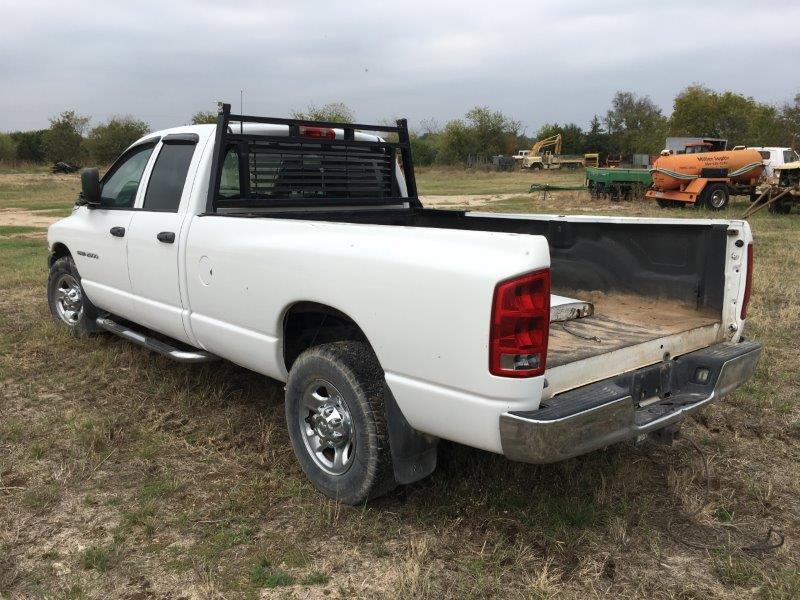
(413, 453)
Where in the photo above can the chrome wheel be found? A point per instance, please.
(718, 198)
(69, 299)
(327, 427)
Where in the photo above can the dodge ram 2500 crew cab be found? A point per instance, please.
(300, 250)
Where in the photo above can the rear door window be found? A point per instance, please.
(165, 188)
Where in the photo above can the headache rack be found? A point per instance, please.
(307, 165)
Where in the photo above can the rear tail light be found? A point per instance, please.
(748, 282)
(323, 133)
(520, 326)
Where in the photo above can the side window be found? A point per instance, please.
(229, 186)
(764, 154)
(168, 177)
(122, 181)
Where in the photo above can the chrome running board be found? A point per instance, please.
(163, 348)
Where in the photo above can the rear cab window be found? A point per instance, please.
(229, 187)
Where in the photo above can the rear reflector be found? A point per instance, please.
(748, 282)
(324, 133)
(520, 326)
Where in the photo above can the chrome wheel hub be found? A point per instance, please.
(718, 199)
(327, 427)
(69, 300)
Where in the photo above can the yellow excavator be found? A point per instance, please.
(552, 159)
(534, 159)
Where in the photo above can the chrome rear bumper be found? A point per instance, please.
(627, 406)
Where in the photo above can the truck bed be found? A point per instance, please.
(657, 287)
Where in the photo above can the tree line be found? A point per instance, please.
(70, 139)
(632, 124)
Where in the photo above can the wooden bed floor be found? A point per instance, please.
(619, 321)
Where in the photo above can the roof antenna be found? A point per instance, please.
(241, 111)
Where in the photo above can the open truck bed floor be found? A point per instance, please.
(620, 321)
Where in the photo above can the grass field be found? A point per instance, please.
(125, 475)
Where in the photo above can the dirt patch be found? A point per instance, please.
(13, 216)
(466, 199)
(34, 178)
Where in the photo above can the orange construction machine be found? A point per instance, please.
(704, 178)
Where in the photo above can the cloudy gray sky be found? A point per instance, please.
(538, 62)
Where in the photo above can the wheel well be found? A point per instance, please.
(59, 250)
(309, 324)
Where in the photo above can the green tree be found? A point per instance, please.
(108, 140)
(635, 124)
(790, 118)
(333, 111)
(204, 118)
(456, 142)
(766, 127)
(494, 132)
(8, 148)
(30, 145)
(700, 111)
(63, 141)
(694, 113)
(483, 131)
(596, 138)
(423, 149)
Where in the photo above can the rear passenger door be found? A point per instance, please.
(154, 250)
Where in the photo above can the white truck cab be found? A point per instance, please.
(775, 156)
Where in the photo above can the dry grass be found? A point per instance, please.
(125, 475)
(437, 181)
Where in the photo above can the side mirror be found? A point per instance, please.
(90, 187)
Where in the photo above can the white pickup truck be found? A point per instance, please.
(300, 250)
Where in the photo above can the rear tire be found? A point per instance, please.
(69, 306)
(716, 196)
(336, 419)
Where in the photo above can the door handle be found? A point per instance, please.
(167, 237)
(117, 231)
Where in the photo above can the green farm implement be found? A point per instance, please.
(617, 184)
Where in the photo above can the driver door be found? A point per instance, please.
(102, 253)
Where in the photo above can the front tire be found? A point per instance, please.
(69, 306)
(336, 420)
